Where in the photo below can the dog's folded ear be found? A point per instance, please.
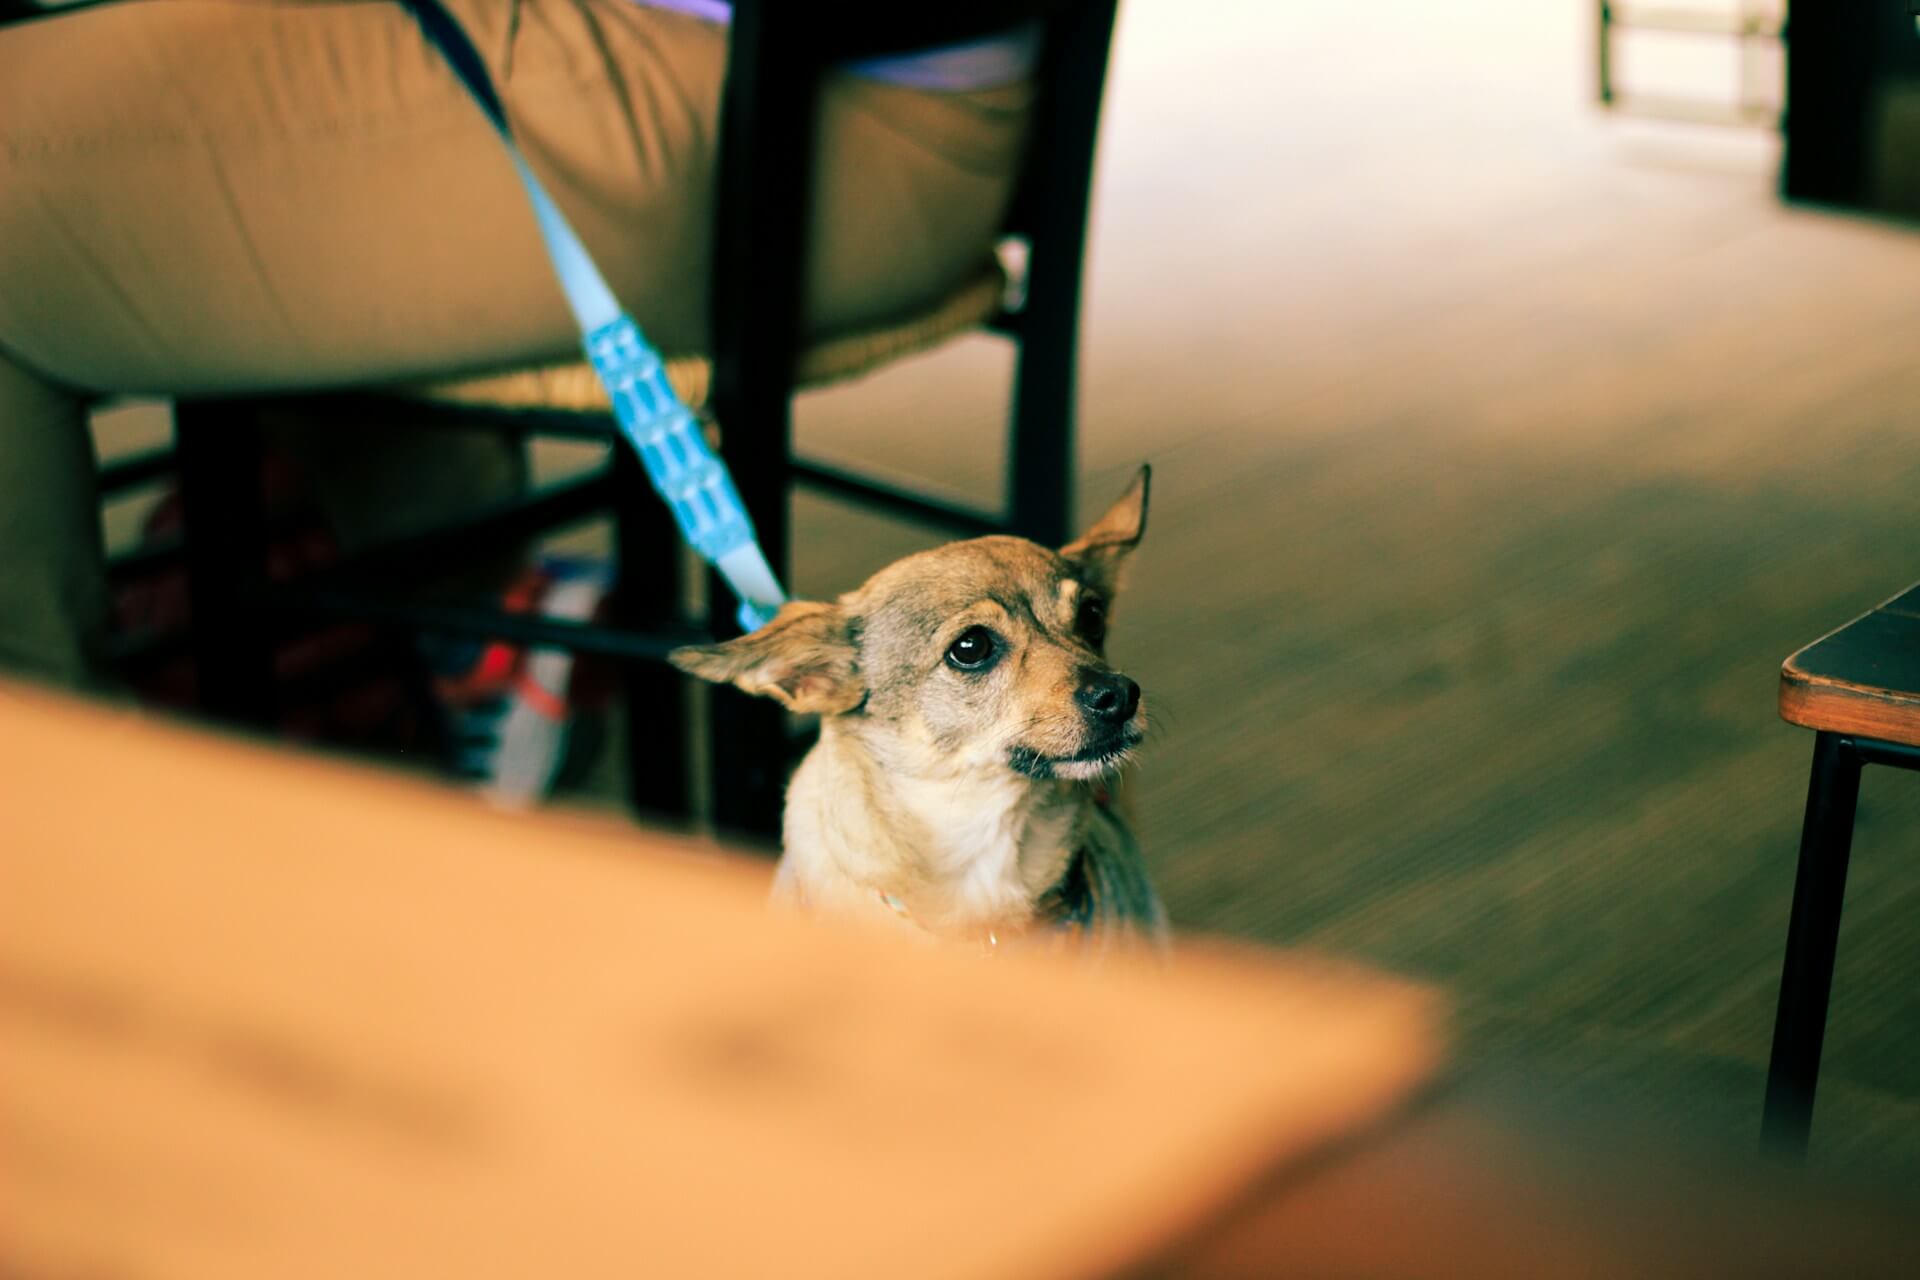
(1100, 549)
(807, 657)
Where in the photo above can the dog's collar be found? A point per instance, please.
(1067, 907)
(899, 908)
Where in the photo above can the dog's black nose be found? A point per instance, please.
(1108, 699)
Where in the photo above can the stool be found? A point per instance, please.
(1859, 690)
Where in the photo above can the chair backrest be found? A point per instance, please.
(1050, 206)
(778, 54)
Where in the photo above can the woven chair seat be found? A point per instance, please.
(572, 386)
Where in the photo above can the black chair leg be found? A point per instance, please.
(747, 747)
(1040, 452)
(1053, 215)
(747, 750)
(219, 453)
(1813, 937)
(648, 596)
(767, 123)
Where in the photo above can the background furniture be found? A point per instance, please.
(1842, 62)
(1751, 23)
(1859, 690)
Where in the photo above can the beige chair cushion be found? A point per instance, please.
(573, 386)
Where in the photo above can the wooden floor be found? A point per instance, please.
(1502, 452)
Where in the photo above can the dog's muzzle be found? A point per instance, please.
(1107, 699)
(1108, 703)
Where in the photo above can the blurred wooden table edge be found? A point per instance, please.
(372, 1014)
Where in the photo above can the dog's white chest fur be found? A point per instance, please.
(962, 850)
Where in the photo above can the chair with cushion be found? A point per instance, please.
(744, 386)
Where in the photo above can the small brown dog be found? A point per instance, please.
(970, 726)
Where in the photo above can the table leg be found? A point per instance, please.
(1813, 936)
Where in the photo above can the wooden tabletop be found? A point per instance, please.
(1863, 679)
(262, 1015)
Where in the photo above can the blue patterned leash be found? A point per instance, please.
(685, 471)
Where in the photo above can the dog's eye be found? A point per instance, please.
(972, 651)
(1092, 622)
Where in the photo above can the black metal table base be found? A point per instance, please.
(1813, 932)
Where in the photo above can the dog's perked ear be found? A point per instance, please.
(806, 657)
(1100, 549)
